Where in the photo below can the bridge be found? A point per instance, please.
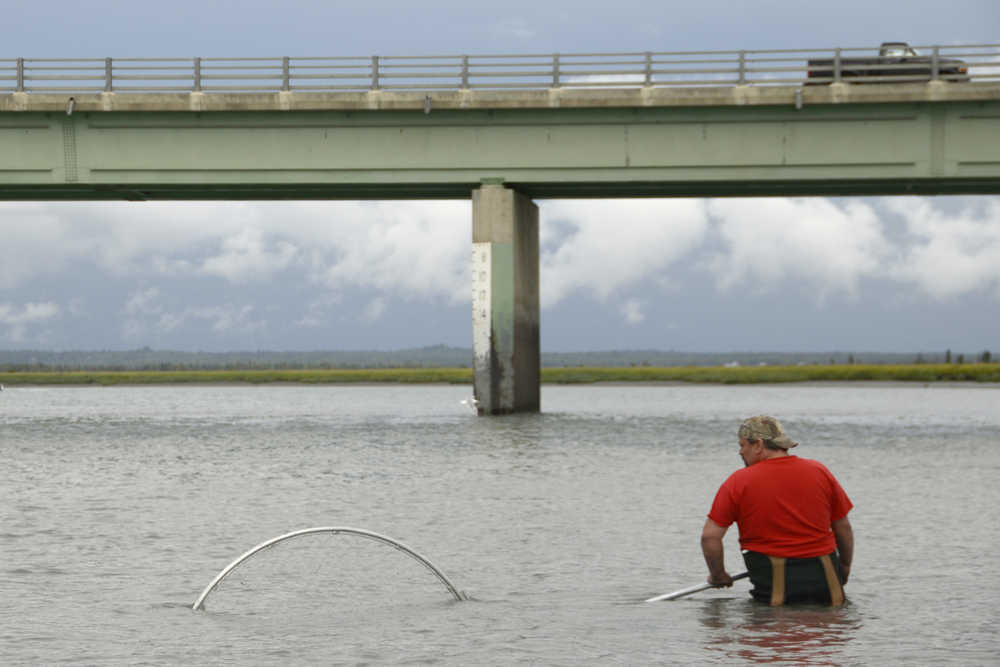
(501, 130)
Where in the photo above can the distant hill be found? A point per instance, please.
(435, 356)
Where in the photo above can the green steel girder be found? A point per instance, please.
(943, 147)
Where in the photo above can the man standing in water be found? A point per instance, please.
(792, 516)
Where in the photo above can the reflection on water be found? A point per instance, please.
(757, 633)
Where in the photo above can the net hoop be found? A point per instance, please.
(333, 530)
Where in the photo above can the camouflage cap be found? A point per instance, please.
(763, 427)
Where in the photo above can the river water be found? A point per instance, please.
(120, 505)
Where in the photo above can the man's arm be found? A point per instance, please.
(711, 547)
(844, 534)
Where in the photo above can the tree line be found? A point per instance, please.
(438, 356)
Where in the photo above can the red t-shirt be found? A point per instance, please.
(783, 506)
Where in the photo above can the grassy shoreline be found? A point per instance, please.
(981, 372)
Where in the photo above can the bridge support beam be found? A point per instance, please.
(505, 301)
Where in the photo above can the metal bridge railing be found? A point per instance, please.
(488, 72)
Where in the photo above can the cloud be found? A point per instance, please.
(244, 257)
(226, 318)
(414, 249)
(631, 310)
(317, 256)
(813, 243)
(601, 247)
(317, 311)
(374, 310)
(17, 320)
(513, 28)
(830, 247)
(28, 313)
(219, 318)
(143, 302)
(147, 316)
(31, 232)
(604, 80)
(119, 238)
(950, 254)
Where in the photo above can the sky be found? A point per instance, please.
(894, 274)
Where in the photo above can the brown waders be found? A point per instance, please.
(778, 580)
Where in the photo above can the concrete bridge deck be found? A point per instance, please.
(551, 98)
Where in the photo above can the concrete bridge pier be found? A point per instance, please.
(505, 301)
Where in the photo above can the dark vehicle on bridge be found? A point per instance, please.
(897, 62)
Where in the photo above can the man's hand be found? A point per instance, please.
(721, 580)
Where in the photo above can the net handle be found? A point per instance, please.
(333, 530)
